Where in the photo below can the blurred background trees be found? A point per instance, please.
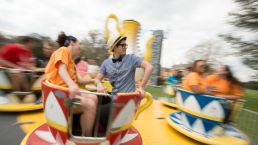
(94, 45)
(39, 40)
(209, 50)
(244, 39)
(245, 19)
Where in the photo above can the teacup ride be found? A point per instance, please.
(169, 99)
(11, 101)
(206, 119)
(60, 129)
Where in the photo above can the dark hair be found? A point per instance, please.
(119, 43)
(231, 78)
(25, 39)
(77, 59)
(61, 39)
(189, 68)
(195, 65)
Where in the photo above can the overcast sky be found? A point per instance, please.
(189, 21)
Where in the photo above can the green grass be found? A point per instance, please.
(158, 92)
(248, 124)
(252, 101)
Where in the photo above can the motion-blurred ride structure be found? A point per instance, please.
(11, 101)
(62, 125)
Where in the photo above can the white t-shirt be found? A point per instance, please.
(93, 68)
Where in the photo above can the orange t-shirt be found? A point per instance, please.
(63, 55)
(194, 79)
(222, 87)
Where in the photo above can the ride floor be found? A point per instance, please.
(155, 130)
(151, 123)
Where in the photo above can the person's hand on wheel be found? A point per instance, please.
(140, 89)
(101, 88)
(73, 90)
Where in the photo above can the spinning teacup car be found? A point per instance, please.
(13, 101)
(169, 98)
(61, 122)
(206, 119)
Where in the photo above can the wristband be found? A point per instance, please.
(97, 83)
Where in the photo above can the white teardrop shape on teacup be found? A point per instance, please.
(214, 109)
(179, 99)
(45, 135)
(128, 137)
(53, 110)
(79, 75)
(178, 116)
(192, 104)
(198, 126)
(125, 116)
(4, 80)
(169, 89)
(185, 120)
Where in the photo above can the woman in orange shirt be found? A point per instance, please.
(224, 85)
(61, 71)
(195, 81)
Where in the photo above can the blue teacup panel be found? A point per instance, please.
(202, 104)
(198, 124)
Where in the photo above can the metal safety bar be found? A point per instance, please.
(22, 93)
(24, 70)
(96, 93)
(17, 69)
(95, 138)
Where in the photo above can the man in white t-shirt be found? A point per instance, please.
(92, 66)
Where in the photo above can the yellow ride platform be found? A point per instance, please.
(19, 107)
(168, 103)
(151, 123)
(155, 130)
(36, 117)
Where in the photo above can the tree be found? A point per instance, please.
(95, 47)
(209, 50)
(6, 39)
(245, 18)
(39, 40)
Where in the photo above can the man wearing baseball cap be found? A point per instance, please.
(121, 70)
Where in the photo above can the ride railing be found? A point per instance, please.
(248, 123)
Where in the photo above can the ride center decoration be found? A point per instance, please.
(131, 29)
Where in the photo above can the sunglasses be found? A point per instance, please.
(47, 48)
(202, 65)
(123, 45)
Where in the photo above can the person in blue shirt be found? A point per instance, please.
(121, 72)
(175, 79)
